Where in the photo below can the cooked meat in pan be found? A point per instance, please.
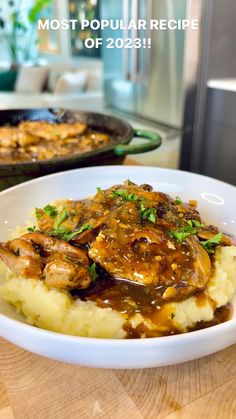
(49, 131)
(41, 140)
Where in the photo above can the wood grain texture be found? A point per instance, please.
(32, 387)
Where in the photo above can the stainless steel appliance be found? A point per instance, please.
(218, 156)
(208, 140)
(167, 84)
(151, 82)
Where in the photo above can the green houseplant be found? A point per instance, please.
(21, 22)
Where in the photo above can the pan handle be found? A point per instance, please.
(154, 141)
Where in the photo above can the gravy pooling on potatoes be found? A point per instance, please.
(131, 299)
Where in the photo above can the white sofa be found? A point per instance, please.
(67, 87)
(90, 100)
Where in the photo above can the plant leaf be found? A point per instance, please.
(36, 11)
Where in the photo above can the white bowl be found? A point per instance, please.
(216, 203)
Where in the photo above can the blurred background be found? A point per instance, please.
(183, 87)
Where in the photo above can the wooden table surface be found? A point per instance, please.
(32, 387)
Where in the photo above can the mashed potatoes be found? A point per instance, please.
(56, 310)
(219, 291)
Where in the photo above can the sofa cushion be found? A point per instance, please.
(71, 83)
(31, 79)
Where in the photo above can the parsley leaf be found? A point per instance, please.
(92, 270)
(99, 189)
(51, 211)
(31, 229)
(181, 234)
(62, 234)
(62, 216)
(178, 200)
(210, 244)
(84, 227)
(38, 213)
(70, 235)
(122, 193)
(148, 213)
(195, 223)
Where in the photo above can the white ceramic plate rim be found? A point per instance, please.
(101, 168)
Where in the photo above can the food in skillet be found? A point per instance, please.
(128, 262)
(41, 140)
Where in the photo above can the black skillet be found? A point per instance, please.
(121, 133)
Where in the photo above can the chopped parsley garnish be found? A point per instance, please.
(84, 227)
(92, 270)
(62, 234)
(178, 200)
(38, 213)
(99, 189)
(181, 234)
(148, 213)
(195, 223)
(51, 211)
(122, 193)
(145, 213)
(70, 235)
(62, 216)
(209, 245)
(31, 229)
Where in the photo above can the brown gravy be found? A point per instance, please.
(130, 299)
